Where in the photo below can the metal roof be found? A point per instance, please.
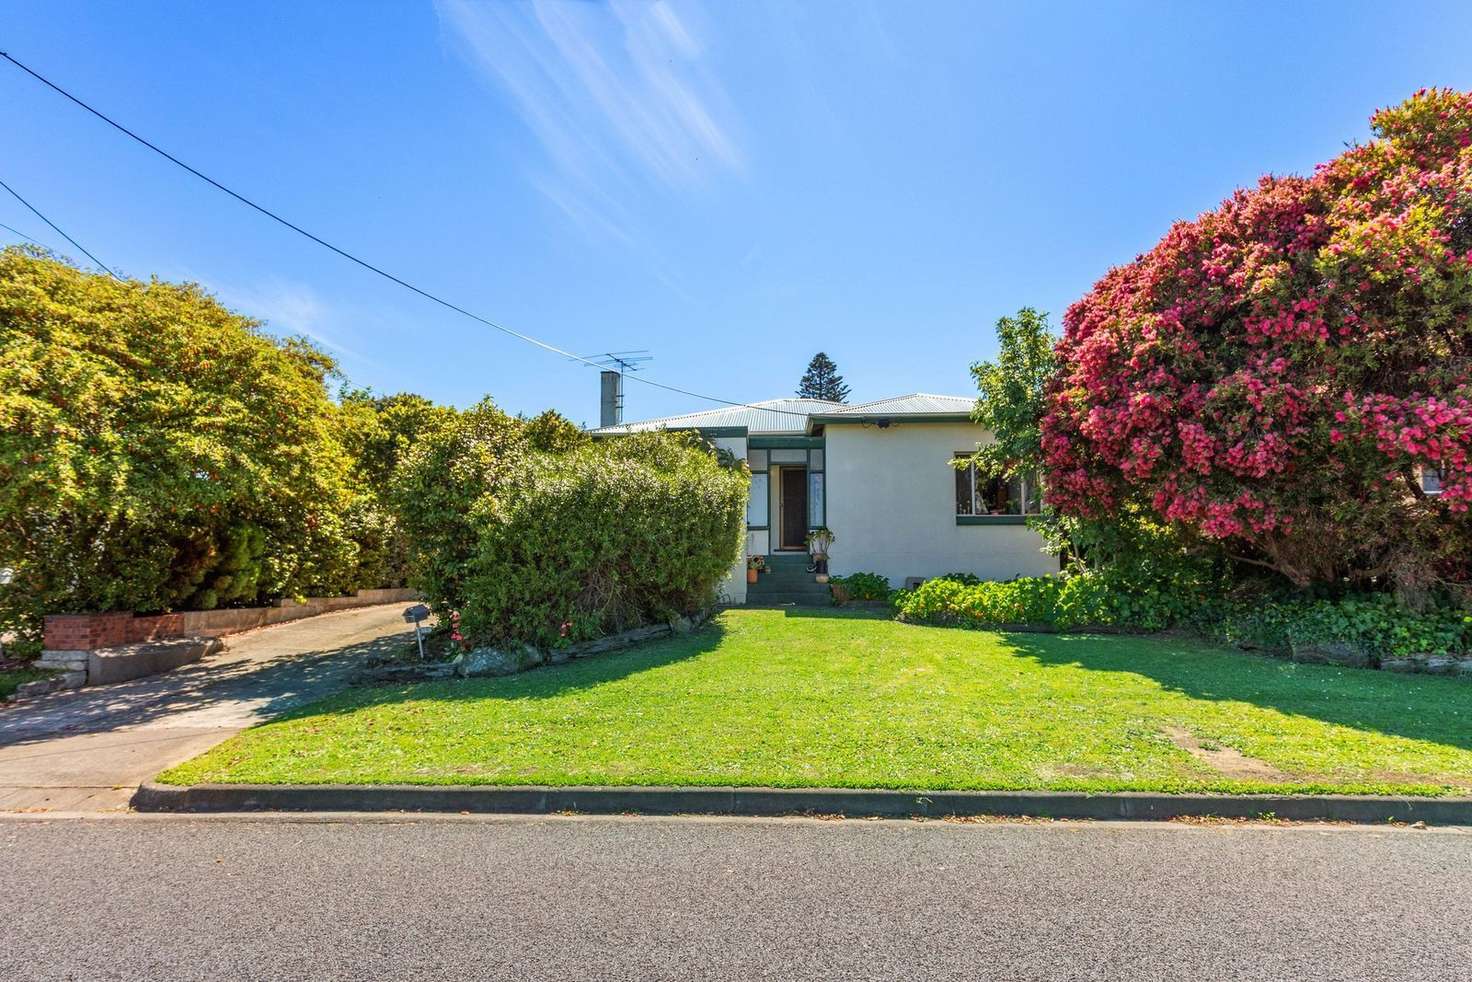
(788, 416)
(914, 404)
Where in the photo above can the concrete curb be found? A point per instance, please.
(771, 802)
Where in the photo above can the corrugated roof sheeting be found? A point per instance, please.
(768, 416)
(915, 404)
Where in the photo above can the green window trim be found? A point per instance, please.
(784, 443)
(992, 519)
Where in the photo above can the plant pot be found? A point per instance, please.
(751, 576)
(840, 593)
(821, 577)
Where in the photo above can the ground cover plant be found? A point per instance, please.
(854, 699)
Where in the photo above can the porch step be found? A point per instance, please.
(787, 582)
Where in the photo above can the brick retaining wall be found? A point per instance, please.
(89, 632)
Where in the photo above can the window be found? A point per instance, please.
(756, 505)
(815, 499)
(1431, 480)
(981, 497)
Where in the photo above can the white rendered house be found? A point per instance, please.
(879, 475)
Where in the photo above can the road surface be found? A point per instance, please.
(143, 897)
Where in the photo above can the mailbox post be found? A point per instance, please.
(413, 615)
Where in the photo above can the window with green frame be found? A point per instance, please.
(980, 496)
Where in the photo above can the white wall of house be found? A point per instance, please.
(732, 589)
(892, 507)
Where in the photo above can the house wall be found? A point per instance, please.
(732, 589)
(892, 507)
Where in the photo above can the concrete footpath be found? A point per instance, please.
(88, 750)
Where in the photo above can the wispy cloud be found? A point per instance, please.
(286, 308)
(620, 97)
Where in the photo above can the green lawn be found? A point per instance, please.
(826, 698)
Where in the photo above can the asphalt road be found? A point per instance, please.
(581, 898)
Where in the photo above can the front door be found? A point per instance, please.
(794, 507)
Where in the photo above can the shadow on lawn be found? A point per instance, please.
(546, 682)
(1437, 710)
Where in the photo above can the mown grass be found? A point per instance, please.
(834, 699)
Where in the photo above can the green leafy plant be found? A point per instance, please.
(863, 586)
(554, 541)
(158, 451)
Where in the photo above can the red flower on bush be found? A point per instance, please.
(1257, 374)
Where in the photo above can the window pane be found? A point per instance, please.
(789, 456)
(815, 499)
(756, 505)
(999, 497)
(1034, 495)
(815, 459)
(963, 492)
(756, 460)
(1431, 481)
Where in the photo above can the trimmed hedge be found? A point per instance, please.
(1376, 623)
(535, 535)
(1102, 599)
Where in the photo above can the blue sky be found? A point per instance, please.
(731, 185)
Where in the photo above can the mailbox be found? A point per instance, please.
(415, 614)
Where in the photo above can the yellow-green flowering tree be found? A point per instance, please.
(158, 451)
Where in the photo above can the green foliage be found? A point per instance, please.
(822, 381)
(1116, 596)
(534, 534)
(156, 450)
(378, 432)
(160, 452)
(1377, 623)
(1011, 401)
(863, 586)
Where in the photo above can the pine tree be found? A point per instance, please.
(822, 381)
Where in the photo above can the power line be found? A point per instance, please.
(16, 195)
(354, 259)
(18, 232)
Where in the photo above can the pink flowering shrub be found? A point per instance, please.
(1276, 374)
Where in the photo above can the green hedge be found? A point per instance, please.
(534, 535)
(1377, 623)
(1102, 599)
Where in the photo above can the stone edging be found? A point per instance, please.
(483, 662)
(772, 802)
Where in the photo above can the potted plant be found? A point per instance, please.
(819, 540)
(754, 565)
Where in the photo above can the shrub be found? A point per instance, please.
(1108, 597)
(1374, 622)
(863, 586)
(1275, 374)
(157, 451)
(535, 535)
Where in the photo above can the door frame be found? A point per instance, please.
(780, 545)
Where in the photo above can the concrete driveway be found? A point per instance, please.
(88, 750)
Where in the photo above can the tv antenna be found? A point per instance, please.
(615, 365)
(622, 362)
